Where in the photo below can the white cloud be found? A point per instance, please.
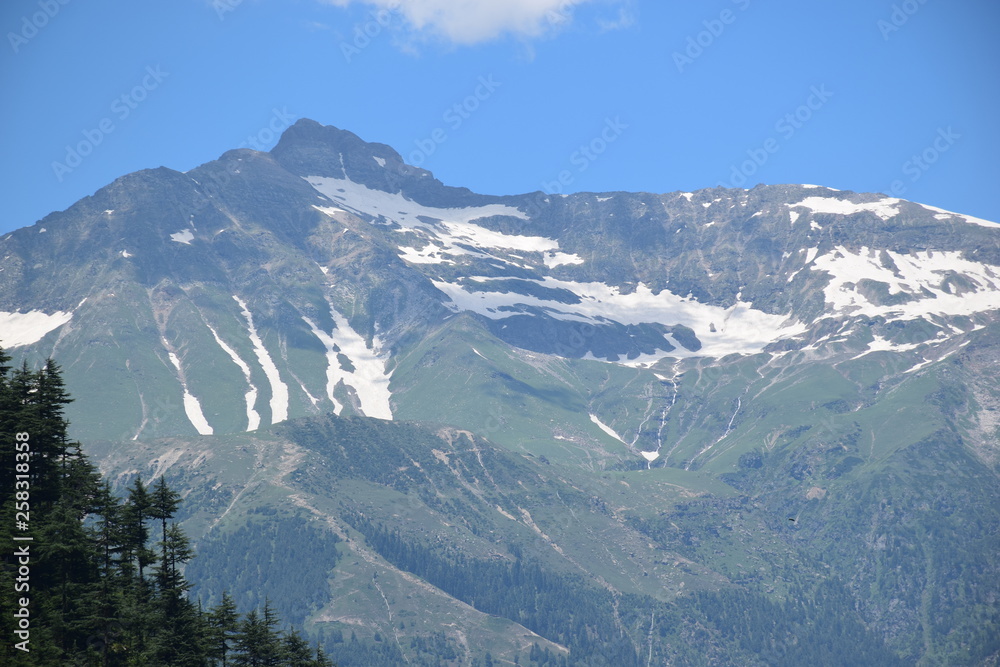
(472, 21)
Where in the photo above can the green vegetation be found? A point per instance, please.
(92, 579)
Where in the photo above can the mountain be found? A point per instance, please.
(672, 405)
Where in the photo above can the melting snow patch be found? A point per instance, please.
(445, 231)
(554, 259)
(279, 390)
(42, 230)
(920, 276)
(253, 417)
(18, 329)
(396, 207)
(126, 254)
(650, 456)
(883, 208)
(794, 215)
(192, 407)
(328, 210)
(880, 344)
(369, 378)
(381, 161)
(945, 215)
(607, 429)
(739, 328)
(184, 236)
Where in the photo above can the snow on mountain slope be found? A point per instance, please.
(18, 329)
(443, 233)
(192, 406)
(916, 284)
(253, 417)
(884, 208)
(363, 368)
(948, 215)
(739, 329)
(279, 390)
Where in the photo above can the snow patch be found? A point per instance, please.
(607, 429)
(446, 232)
(920, 276)
(184, 236)
(379, 160)
(739, 328)
(369, 378)
(17, 329)
(554, 259)
(328, 210)
(253, 417)
(944, 215)
(279, 390)
(884, 208)
(192, 406)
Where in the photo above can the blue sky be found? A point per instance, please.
(895, 96)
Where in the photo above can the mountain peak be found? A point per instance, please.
(308, 148)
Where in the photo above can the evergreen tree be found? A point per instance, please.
(90, 602)
(223, 623)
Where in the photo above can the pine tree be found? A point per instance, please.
(135, 532)
(295, 651)
(91, 603)
(223, 623)
(163, 505)
(257, 644)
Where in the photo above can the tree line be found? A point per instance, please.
(88, 578)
